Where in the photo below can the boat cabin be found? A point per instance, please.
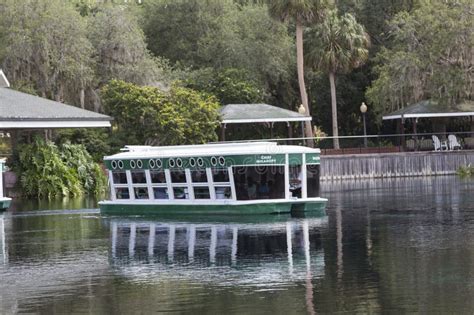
(214, 174)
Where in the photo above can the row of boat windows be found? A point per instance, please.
(178, 193)
(177, 176)
(251, 182)
(179, 189)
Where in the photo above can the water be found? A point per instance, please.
(395, 246)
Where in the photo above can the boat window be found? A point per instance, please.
(199, 176)
(138, 177)
(160, 193)
(120, 177)
(223, 192)
(122, 193)
(295, 180)
(178, 176)
(141, 192)
(201, 193)
(180, 193)
(312, 179)
(259, 182)
(220, 175)
(158, 177)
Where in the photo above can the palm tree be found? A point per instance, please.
(302, 12)
(338, 44)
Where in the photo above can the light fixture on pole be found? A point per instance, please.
(302, 111)
(363, 110)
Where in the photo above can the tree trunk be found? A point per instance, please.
(335, 132)
(300, 65)
(82, 98)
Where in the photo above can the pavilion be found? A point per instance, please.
(259, 113)
(20, 111)
(434, 111)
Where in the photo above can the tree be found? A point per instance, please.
(45, 43)
(120, 49)
(177, 29)
(230, 86)
(50, 46)
(337, 45)
(429, 57)
(301, 11)
(147, 115)
(196, 35)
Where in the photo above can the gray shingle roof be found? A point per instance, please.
(248, 113)
(428, 108)
(20, 110)
(16, 105)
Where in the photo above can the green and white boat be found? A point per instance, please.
(4, 201)
(227, 178)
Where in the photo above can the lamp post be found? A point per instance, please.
(302, 111)
(363, 110)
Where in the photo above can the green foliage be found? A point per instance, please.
(146, 115)
(95, 141)
(50, 171)
(219, 35)
(429, 57)
(66, 50)
(120, 47)
(338, 44)
(45, 43)
(305, 11)
(90, 174)
(230, 86)
(466, 171)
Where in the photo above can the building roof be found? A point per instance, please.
(253, 113)
(21, 110)
(428, 108)
(242, 148)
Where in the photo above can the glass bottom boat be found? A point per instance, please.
(237, 178)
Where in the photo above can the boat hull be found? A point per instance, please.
(317, 205)
(5, 203)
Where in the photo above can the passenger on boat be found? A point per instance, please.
(251, 188)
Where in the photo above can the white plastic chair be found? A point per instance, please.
(453, 143)
(438, 145)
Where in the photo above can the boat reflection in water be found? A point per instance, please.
(222, 253)
(3, 247)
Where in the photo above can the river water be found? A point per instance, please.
(398, 246)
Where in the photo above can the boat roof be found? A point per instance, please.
(243, 148)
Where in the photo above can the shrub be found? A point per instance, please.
(466, 171)
(47, 170)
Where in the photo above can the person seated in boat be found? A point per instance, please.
(160, 193)
(295, 185)
(223, 193)
(141, 193)
(251, 188)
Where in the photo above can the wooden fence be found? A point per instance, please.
(334, 167)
